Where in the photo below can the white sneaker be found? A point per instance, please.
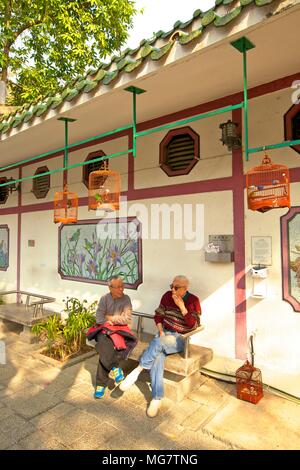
(153, 408)
(130, 379)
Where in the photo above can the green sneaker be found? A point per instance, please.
(100, 391)
(117, 374)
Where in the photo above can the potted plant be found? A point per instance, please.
(66, 337)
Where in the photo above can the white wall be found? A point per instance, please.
(8, 277)
(215, 160)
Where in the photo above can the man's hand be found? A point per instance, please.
(109, 319)
(161, 333)
(180, 303)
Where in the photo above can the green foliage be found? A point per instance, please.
(44, 43)
(66, 337)
(2, 301)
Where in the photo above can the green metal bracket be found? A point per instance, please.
(66, 120)
(135, 91)
(243, 45)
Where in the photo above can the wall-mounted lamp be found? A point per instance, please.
(229, 135)
(13, 186)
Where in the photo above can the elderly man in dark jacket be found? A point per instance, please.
(113, 309)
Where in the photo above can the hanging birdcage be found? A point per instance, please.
(104, 190)
(268, 186)
(65, 207)
(249, 385)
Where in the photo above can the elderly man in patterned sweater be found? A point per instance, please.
(178, 313)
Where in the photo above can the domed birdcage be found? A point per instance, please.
(104, 190)
(65, 207)
(249, 385)
(268, 186)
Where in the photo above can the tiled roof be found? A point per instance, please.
(224, 12)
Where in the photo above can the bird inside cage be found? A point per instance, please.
(104, 190)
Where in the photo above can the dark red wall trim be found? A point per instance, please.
(239, 246)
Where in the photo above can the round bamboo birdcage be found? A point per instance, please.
(249, 386)
(65, 207)
(104, 190)
(268, 186)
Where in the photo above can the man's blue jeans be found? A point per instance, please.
(153, 358)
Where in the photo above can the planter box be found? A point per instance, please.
(67, 363)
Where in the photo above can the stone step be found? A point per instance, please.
(176, 363)
(176, 387)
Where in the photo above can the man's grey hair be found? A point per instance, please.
(182, 278)
(114, 278)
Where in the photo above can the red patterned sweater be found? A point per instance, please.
(170, 316)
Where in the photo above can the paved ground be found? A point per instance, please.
(43, 407)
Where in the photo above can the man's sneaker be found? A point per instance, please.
(99, 392)
(130, 379)
(153, 408)
(117, 375)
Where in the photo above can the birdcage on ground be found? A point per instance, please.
(65, 207)
(249, 386)
(104, 190)
(268, 186)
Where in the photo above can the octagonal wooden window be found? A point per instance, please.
(179, 151)
(87, 169)
(292, 125)
(41, 185)
(4, 191)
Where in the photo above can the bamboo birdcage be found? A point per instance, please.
(65, 207)
(104, 190)
(268, 186)
(249, 386)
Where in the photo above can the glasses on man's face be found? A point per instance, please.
(176, 287)
(117, 287)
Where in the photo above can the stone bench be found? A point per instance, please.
(27, 312)
(182, 370)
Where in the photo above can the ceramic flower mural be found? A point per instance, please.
(94, 251)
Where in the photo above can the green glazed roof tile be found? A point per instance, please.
(122, 64)
(16, 121)
(190, 37)
(80, 85)
(208, 17)
(245, 2)
(5, 127)
(56, 101)
(100, 75)
(158, 54)
(223, 20)
(90, 86)
(186, 24)
(261, 3)
(197, 13)
(28, 116)
(146, 50)
(168, 33)
(41, 108)
(109, 77)
(72, 94)
(130, 67)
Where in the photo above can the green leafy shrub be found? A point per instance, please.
(64, 338)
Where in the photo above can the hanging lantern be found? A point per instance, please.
(268, 186)
(249, 385)
(104, 190)
(65, 207)
(229, 135)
